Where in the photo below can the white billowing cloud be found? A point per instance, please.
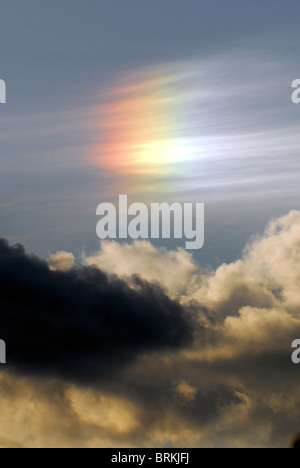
(254, 301)
(62, 261)
(267, 276)
(174, 270)
(275, 258)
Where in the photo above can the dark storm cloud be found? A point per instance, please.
(82, 324)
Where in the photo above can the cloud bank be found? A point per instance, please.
(229, 382)
(81, 324)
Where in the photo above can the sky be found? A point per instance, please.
(165, 101)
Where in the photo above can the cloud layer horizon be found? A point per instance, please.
(139, 346)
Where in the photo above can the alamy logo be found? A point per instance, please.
(296, 353)
(2, 92)
(137, 222)
(2, 352)
(296, 93)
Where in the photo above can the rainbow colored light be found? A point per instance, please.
(141, 126)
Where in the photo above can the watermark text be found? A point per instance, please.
(162, 220)
(2, 92)
(2, 352)
(296, 92)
